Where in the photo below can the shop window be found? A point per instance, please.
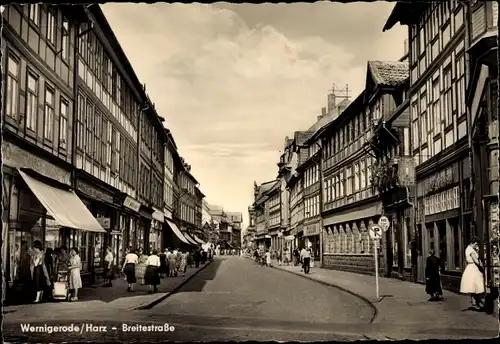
(430, 231)
(394, 244)
(442, 252)
(493, 171)
(98, 249)
(51, 234)
(456, 244)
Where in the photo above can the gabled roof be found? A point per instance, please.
(388, 73)
(405, 13)
(266, 188)
(329, 117)
(301, 137)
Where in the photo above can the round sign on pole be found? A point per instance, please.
(384, 223)
(375, 232)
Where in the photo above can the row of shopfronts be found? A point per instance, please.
(89, 217)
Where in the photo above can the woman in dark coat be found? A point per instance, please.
(163, 264)
(433, 277)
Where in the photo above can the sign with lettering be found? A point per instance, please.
(310, 230)
(16, 157)
(384, 223)
(131, 203)
(93, 192)
(158, 216)
(105, 222)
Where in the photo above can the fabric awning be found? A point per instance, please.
(190, 239)
(63, 205)
(177, 232)
(198, 239)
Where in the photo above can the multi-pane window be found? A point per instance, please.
(32, 102)
(51, 26)
(88, 128)
(356, 177)
(460, 84)
(415, 122)
(63, 124)
(65, 39)
(34, 13)
(104, 141)
(81, 122)
(48, 115)
(96, 154)
(12, 98)
(447, 98)
(436, 109)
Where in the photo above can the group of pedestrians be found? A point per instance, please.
(150, 269)
(472, 282)
(50, 266)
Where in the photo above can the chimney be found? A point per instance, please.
(405, 51)
(331, 102)
(323, 111)
(255, 189)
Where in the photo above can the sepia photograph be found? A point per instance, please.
(207, 172)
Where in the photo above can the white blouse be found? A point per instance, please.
(153, 260)
(131, 258)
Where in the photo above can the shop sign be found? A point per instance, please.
(311, 230)
(131, 204)
(105, 222)
(158, 216)
(93, 192)
(442, 201)
(16, 157)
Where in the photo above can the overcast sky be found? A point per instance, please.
(233, 80)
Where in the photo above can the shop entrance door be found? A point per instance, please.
(420, 257)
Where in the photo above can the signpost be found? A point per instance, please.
(376, 233)
(384, 223)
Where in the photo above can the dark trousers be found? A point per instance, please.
(197, 263)
(307, 265)
(414, 273)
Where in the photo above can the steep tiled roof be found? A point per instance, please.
(265, 188)
(302, 136)
(387, 73)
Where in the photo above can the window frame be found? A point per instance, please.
(63, 123)
(9, 103)
(31, 119)
(49, 113)
(51, 27)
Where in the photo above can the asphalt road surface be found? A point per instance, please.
(232, 299)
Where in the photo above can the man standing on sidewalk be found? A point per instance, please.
(305, 256)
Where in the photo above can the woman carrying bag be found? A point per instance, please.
(472, 282)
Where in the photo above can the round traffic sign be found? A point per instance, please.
(375, 232)
(384, 223)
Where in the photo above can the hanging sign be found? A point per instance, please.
(384, 223)
(375, 232)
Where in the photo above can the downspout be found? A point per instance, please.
(77, 36)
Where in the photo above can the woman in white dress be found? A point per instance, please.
(472, 282)
(75, 279)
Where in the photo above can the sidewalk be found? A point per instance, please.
(405, 304)
(102, 299)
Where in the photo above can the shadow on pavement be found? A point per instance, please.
(198, 282)
(119, 288)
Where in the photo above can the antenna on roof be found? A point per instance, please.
(336, 94)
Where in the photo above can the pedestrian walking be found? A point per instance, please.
(285, 257)
(152, 275)
(296, 256)
(163, 264)
(172, 264)
(183, 262)
(108, 267)
(197, 257)
(140, 268)
(414, 260)
(305, 256)
(472, 282)
(268, 258)
(131, 260)
(39, 275)
(433, 277)
(75, 279)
